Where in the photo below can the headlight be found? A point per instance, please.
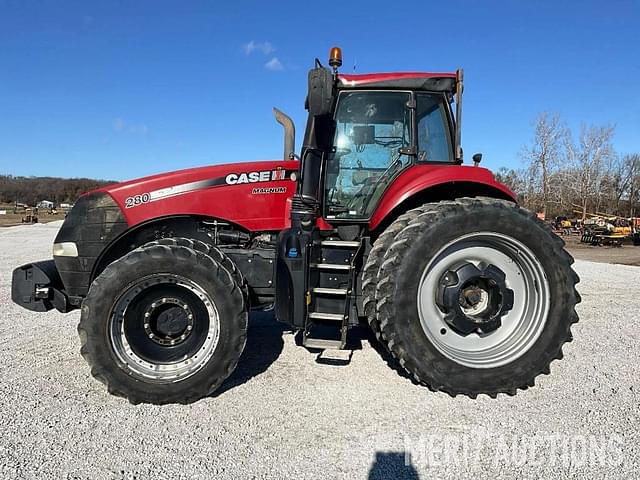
(65, 249)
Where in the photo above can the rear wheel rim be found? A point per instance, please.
(520, 326)
(164, 328)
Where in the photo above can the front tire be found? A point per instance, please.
(476, 296)
(163, 324)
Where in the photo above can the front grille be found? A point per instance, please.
(92, 224)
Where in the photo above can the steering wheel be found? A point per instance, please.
(363, 196)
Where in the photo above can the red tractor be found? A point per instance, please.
(376, 219)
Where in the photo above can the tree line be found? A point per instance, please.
(31, 190)
(562, 174)
(573, 176)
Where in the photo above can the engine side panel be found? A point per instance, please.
(252, 195)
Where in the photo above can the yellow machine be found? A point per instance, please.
(602, 229)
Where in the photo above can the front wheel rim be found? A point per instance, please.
(167, 350)
(520, 326)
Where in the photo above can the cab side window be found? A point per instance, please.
(434, 144)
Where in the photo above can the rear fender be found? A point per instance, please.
(431, 183)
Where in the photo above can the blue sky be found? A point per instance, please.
(121, 89)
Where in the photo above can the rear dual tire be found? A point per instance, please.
(372, 267)
(166, 323)
(528, 335)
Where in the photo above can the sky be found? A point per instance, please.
(121, 89)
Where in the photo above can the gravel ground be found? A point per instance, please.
(283, 415)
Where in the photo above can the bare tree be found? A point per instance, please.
(31, 190)
(516, 180)
(631, 173)
(587, 161)
(617, 183)
(544, 153)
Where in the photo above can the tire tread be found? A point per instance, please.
(385, 295)
(181, 249)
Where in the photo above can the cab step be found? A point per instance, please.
(330, 291)
(322, 343)
(327, 316)
(340, 243)
(332, 266)
(335, 357)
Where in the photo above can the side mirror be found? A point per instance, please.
(320, 94)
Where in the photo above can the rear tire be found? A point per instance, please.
(372, 267)
(163, 324)
(499, 356)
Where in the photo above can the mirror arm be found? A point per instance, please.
(411, 151)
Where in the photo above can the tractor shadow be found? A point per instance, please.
(392, 465)
(264, 345)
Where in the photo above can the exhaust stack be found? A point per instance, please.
(289, 133)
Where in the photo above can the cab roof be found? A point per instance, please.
(431, 81)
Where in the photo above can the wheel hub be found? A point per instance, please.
(522, 288)
(474, 299)
(168, 321)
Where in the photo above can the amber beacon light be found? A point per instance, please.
(335, 57)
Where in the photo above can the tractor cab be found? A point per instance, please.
(364, 130)
(362, 133)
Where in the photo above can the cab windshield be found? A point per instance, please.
(373, 129)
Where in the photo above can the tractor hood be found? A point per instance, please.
(252, 195)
